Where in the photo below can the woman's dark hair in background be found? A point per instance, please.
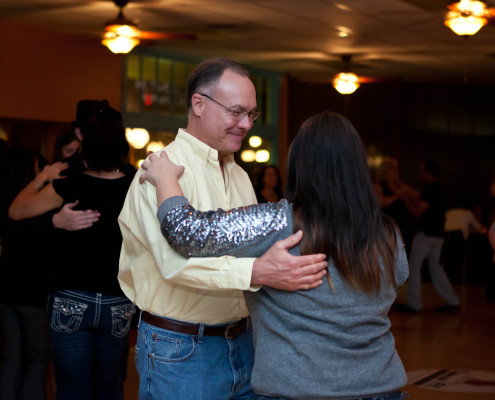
(261, 177)
(66, 136)
(335, 203)
(104, 146)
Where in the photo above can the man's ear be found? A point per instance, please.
(197, 104)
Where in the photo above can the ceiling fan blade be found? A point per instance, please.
(382, 79)
(491, 15)
(167, 36)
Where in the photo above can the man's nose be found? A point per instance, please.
(245, 123)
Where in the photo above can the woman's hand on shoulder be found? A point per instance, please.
(160, 168)
(51, 172)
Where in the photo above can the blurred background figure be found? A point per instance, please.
(460, 223)
(89, 316)
(84, 112)
(68, 149)
(490, 222)
(429, 208)
(67, 144)
(489, 217)
(24, 285)
(68, 137)
(490, 286)
(3, 205)
(460, 218)
(387, 185)
(269, 185)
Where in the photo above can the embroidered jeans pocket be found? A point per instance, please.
(67, 315)
(121, 319)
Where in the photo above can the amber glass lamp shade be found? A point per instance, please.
(121, 35)
(346, 82)
(466, 17)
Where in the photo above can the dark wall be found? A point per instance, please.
(454, 124)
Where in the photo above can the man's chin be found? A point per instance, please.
(234, 148)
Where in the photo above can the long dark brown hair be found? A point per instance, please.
(329, 185)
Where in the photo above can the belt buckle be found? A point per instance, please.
(228, 335)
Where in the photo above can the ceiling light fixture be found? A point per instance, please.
(346, 82)
(466, 17)
(121, 34)
(343, 31)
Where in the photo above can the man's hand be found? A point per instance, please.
(281, 270)
(71, 220)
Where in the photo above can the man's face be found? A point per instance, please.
(220, 129)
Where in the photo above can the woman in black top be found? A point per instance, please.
(89, 316)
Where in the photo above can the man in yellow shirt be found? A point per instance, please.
(194, 339)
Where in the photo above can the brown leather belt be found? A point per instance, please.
(229, 331)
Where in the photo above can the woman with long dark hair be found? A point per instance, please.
(269, 185)
(333, 341)
(66, 144)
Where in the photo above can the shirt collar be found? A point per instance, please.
(202, 150)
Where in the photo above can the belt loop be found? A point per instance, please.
(200, 333)
(139, 321)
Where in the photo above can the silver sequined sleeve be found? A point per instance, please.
(241, 232)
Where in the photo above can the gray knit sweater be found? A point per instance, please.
(312, 344)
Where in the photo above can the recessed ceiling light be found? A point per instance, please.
(343, 31)
(342, 7)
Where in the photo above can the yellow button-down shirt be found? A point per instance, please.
(155, 277)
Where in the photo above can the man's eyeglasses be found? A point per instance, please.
(238, 115)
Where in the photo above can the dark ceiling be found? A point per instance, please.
(387, 39)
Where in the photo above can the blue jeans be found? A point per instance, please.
(180, 366)
(89, 333)
(25, 352)
(388, 396)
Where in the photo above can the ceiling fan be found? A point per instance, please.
(466, 17)
(463, 17)
(122, 35)
(346, 81)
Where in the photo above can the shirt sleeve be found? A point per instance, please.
(243, 232)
